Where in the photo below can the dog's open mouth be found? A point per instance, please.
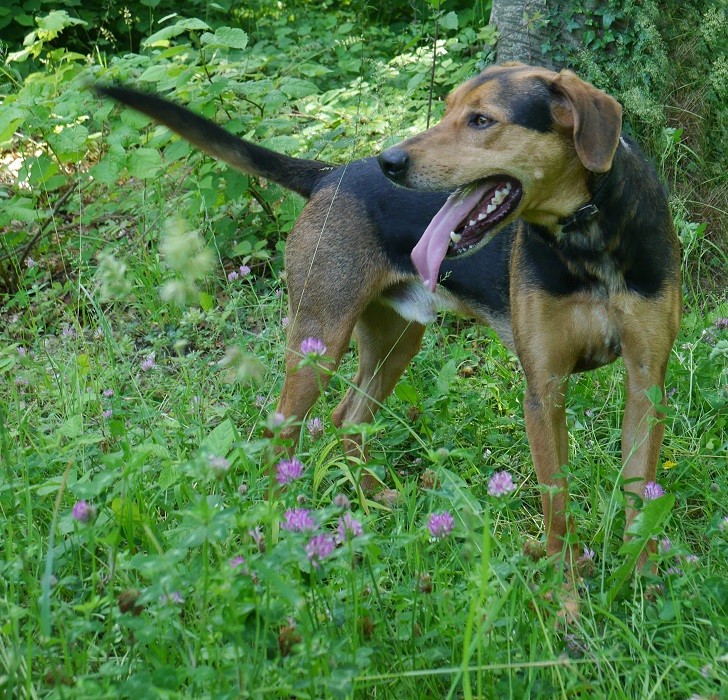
(464, 223)
(499, 199)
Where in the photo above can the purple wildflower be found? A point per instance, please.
(588, 554)
(653, 490)
(665, 545)
(258, 537)
(219, 466)
(723, 525)
(285, 321)
(500, 484)
(232, 276)
(441, 524)
(108, 393)
(259, 401)
(21, 381)
(721, 324)
(243, 488)
(692, 559)
(29, 262)
(288, 470)
(238, 565)
(341, 500)
(22, 351)
(107, 414)
(83, 511)
(173, 597)
(148, 362)
(349, 527)
(298, 520)
(68, 332)
(318, 548)
(315, 428)
(276, 420)
(313, 346)
(244, 270)
(575, 644)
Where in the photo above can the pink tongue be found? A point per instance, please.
(429, 252)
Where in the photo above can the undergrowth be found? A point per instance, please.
(148, 546)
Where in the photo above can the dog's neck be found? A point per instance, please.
(599, 186)
(585, 243)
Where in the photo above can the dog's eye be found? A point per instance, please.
(480, 121)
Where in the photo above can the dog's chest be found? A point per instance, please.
(594, 322)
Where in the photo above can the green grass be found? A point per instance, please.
(113, 393)
(467, 616)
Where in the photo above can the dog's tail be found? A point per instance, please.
(295, 174)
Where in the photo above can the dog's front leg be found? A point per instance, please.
(545, 415)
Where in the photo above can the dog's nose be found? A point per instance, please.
(394, 162)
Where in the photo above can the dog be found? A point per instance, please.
(525, 209)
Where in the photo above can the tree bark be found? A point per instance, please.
(519, 38)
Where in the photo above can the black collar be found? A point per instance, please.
(589, 211)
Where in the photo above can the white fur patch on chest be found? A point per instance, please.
(412, 301)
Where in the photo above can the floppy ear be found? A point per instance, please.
(594, 117)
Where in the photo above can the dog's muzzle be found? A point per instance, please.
(394, 162)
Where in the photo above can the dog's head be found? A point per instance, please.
(516, 141)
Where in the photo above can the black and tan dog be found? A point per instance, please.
(585, 267)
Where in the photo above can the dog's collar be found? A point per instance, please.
(583, 215)
(580, 217)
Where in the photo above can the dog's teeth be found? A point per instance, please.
(508, 187)
(490, 208)
(472, 222)
(455, 237)
(499, 196)
(481, 216)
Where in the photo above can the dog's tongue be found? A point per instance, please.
(429, 252)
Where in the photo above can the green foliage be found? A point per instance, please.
(141, 381)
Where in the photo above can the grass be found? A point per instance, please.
(143, 598)
(138, 376)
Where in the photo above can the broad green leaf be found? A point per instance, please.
(107, 170)
(295, 87)
(407, 393)
(72, 427)
(20, 209)
(449, 21)
(10, 118)
(56, 21)
(207, 301)
(144, 162)
(446, 377)
(154, 74)
(220, 440)
(42, 169)
(227, 37)
(69, 145)
(161, 38)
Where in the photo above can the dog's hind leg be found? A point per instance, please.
(334, 269)
(387, 343)
(648, 334)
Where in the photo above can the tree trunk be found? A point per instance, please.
(519, 38)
